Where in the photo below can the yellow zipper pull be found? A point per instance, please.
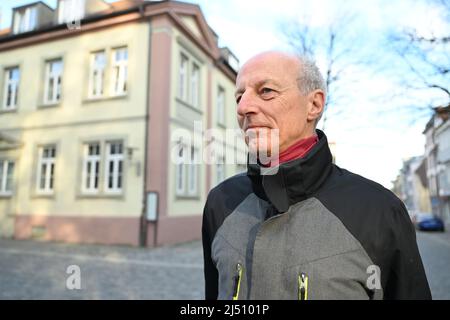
(302, 287)
(237, 281)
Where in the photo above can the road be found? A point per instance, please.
(435, 251)
(38, 270)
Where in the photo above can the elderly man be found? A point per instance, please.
(309, 229)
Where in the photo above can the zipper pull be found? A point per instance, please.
(237, 282)
(302, 287)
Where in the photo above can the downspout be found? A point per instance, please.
(144, 222)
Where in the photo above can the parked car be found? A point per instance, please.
(427, 222)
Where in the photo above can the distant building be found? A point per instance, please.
(437, 152)
(91, 96)
(410, 188)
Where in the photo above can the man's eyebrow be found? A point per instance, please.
(258, 84)
(239, 91)
(266, 81)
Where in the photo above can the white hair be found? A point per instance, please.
(310, 78)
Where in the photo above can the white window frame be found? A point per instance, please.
(5, 177)
(96, 75)
(57, 81)
(49, 163)
(91, 175)
(195, 85)
(119, 72)
(25, 20)
(183, 77)
(70, 10)
(186, 171)
(116, 159)
(221, 105)
(12, 84)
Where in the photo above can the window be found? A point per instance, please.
(46, 169)
(192, 173)
(187, 171)
(53, 75)
(6, 177)
(97, 74)
(114, 167)
(182, 81)
(221, 106)
(25, 20)
(180, 175)
(11, 89)
(195, 79)
(119, 71)
(91, 168)
(70, 10)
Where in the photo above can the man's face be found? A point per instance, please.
(268, 98)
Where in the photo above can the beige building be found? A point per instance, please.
(98, 102)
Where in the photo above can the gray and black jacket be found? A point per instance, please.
(311, 231)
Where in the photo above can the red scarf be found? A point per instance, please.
(298, 149)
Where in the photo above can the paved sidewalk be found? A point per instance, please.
(37, 270)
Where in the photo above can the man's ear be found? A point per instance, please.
(316, 104)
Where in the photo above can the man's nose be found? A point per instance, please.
(247, 104)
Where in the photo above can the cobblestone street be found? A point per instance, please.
(37, 270)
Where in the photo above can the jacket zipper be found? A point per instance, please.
(237, 281)
(302, 286)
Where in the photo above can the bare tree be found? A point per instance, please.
(426, 57)
(338, 48)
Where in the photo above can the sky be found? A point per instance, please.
(375, 132)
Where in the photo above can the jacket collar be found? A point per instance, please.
(293, 181)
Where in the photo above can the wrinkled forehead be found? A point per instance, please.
(275, 67)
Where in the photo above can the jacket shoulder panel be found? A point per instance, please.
(380, 222)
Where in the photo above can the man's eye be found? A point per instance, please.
(238, 99)
(266, 93)
(266, 90)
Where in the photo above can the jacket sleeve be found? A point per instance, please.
(406, 278)
(210, 271)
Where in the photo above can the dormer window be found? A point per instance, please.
(70, 10)
(25, 20)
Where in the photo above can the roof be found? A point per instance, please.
(124, 11)
(32, 4)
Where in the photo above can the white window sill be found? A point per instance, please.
(99, 195)
(8, 110)
(104, 98)
(42, 194)
(190, 106)
(6, 194)
(49, 105)
(187, 197)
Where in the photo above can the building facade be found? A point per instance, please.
(98, 101)
(411, 188)
(437, 154)
(442, 136)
